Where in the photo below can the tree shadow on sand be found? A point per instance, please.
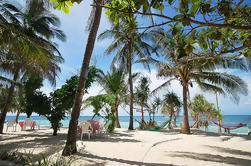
(206, 134)
(48, 143)
(230, 151)
(91, 157)
(213, 158)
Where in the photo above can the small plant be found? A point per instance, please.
(26, 159)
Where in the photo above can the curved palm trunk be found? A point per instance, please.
(70, 146)
(218, 110)
(185, 129)
(129, 60)
(174, 121)
(171, 115)
(153, 115)
(142, 111)
(117, 115)
(8, 101)
(17, 116)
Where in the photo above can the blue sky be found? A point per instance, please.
(74, 23)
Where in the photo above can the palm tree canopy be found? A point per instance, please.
(26, 39)
(142, 92)
(114, 82)
(200, 107)
(186, 66)
(172, 99)
(122, 37)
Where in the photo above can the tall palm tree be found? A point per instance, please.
(142, 94)
(70, 146)
(35, 22)
(171, 105)
(128, 44)
(187, 67)
(114, 84)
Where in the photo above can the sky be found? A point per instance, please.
(74, 24)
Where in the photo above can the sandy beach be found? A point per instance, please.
(137, 147)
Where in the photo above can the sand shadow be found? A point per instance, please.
(50, 144)
(213, 158)
(111, 137)
(119, 161)
(230, 151)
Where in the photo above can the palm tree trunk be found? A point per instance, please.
(142, 114)
(218, 110)
(185, 129)
(171, 115)
(197, 122)
(93, 116)
(8, 101)
(174, 121)
(17, 116)
(129, 60)
(70, 146)
(153, 115)
(117, 115)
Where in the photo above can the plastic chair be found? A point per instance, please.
(101, 122)
(105, 128)
(84, 120)
(85, 129)
(11, 123)
(28, 122)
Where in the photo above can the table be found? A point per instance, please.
(21, 124)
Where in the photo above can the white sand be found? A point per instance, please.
(125, 147)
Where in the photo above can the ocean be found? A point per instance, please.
(124, 121)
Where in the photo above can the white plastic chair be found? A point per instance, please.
(105, 128)
(85, 129)
(84, 120)
(11, 123)
(28, 122)
(38, 125)
(101, 122)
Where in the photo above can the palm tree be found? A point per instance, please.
(156, 105)
(201, 108)
(114, 84)
(171, 105)
(35, 22)
(70, 146)
(128, 44)
(184, 65)
(142, 94)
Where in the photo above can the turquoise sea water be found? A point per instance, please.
(124, 121)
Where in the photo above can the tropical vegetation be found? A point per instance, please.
(198, 38)
(171, 106)
(26, 46)
(202, 111)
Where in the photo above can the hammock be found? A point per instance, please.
(229, 127)
(154, 128)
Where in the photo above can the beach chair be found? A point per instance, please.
(101, 125)
(104, 129)
(28, 123)
(86, 128)
(101, 122)
(11, 123)
(84, 120)
(249, 130)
